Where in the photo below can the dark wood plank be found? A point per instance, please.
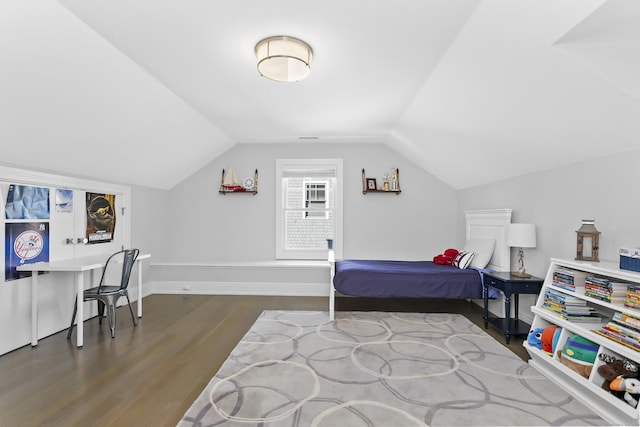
(150, 374)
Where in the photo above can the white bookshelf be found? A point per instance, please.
(588, 390)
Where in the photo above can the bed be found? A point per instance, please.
(486, 233)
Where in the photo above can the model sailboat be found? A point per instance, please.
(230, 181)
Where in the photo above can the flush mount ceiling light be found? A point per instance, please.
(284, 59)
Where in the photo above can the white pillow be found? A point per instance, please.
(462, 260)
(483, 250)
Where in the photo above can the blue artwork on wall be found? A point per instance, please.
(27, 202)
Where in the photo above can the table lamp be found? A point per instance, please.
(521, 236)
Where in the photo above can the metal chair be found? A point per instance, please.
(108, 295)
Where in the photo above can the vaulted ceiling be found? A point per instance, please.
(146, 92)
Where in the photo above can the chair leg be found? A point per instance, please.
(100, 311)
(133, 317)
(112, 319)
(75, 310)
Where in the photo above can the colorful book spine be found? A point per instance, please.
(632, 303)
(619, 338)
(621, 329)
(632, 297)
(625, 319)
(562, 297)
(568, 279)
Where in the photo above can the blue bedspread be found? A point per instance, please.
(412, 279)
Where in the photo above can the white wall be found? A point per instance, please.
(209, 227)
(218, 243)
(557, 200)
(149, 225)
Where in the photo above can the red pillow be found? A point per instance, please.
(446, 258)
(451, 253)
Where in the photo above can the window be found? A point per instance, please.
(309, 207)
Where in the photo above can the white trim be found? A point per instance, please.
(237, 288)
(282, 264)
(281, 165)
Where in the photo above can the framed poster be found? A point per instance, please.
(101, 217)
(25, 243)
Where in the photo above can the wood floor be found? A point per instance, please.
(149, 375)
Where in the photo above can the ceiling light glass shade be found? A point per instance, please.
(284, 59)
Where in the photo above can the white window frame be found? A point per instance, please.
(283, 165)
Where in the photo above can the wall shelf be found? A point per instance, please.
(370, 185)
(248, 185)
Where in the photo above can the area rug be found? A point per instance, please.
(296, 368)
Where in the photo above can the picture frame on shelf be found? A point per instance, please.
(372, 184)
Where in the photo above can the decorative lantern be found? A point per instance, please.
(587, 241)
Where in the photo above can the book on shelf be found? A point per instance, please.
(606, 298)
(619, 338)
(568, 279)
(633, 287)
(632, 303)
(605, 289)
(577, 310)
(632, 297)
(561, 308)
(591, 317)
(605, 283)
(554, 301)
(625, 319)
(565, 304)
(623, 329)
(561, 297)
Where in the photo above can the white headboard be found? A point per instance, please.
(491, 224)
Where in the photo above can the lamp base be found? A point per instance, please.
(521, 275)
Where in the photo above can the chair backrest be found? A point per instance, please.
(129, 257)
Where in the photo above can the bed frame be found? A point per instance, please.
(480, 224)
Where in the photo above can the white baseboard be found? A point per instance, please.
(237, 288)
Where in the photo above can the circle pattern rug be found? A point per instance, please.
(297, 368)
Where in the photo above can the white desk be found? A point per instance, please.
(78, 266)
